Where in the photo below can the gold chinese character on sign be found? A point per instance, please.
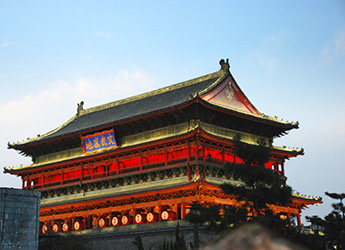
(89, 145)
(111, 139)
(96, 143)
(103, 141)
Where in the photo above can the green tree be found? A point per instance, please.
(260, 187)
(333, 224)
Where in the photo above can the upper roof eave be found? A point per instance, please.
(258, 117)
(84, 112)
(201, 85)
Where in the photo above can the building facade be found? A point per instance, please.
(144, 159)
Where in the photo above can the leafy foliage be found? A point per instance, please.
(205, 214)
(261, 186)
(333, 225)
(252, 154)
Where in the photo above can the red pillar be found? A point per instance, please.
(183, 210)
(82, 173)
(61, 177)
(166, 156)
(160, 210)
(299, 219)
(282, 166)
(196, 151)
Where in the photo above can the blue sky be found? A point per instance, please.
(287, 56)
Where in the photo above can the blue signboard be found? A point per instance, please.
(98, 142)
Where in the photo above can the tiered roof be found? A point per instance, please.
(218, 90)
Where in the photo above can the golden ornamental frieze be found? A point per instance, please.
(122, 202)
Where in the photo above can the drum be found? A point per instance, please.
(115, 221)
(140, 218)
(168, 215)
(152, 217)
(65, 227)
(103, 222)
(77, 226)
(126, 219)
(56, 227)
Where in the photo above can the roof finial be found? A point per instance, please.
(80, 107)
(224, 65)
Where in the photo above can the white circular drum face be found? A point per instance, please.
(76, 225)
(165, 215)
(114, 221)
(101, 223)
(55, 228)
(44, 229)
(64, 227)
(149, 217)
(138, 218)
(124, 220)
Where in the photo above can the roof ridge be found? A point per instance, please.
(219, 73)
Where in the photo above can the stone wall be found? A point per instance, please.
(19, 218)
(122, 237)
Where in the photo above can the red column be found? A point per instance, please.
(183, 210)
(141, 162)
(188, 172)
(82, 173)
(299, 219)
(196, 151)
(282, 166)
(276, 167)
(160, 210)
(61, 177)
(117, 165)
(166, 156)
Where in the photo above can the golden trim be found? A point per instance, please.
(152, 93)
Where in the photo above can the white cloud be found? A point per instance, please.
(335, 47)
(4, 44)
(42, 112)
(266, 61)
(339, 42)
(272, 44)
